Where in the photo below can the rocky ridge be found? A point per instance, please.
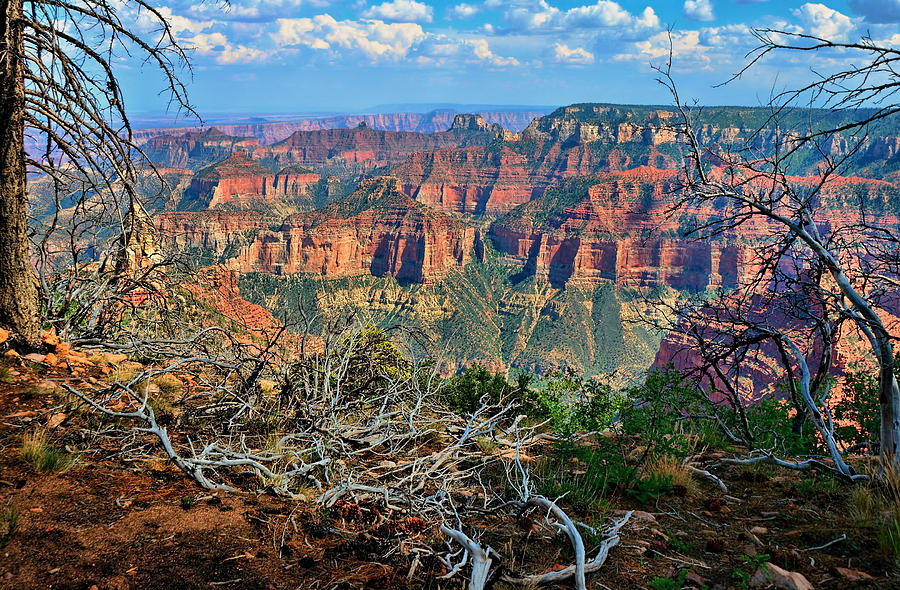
(432, 122)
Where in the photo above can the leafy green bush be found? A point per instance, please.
(859, 407)
(463, 393)
(568, 402)
(772, 422)
(656, 408)
(572, 403)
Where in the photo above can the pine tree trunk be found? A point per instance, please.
(18, 286)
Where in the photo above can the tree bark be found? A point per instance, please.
(889, 401)
(19, 309)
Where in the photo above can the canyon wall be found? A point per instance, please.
(375, 231)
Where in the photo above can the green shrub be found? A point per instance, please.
(675, 583)
(859, 408)
(573, 404)
(771, 420)
(463, 393)
(655, 410)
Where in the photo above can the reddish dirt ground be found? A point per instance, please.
(111, 524)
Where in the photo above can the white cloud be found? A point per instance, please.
(822, 21)
(701, 10)
(408, 11)
(242, 10)
(541, 16)
(374, 38)
(576, 55)
(877, 11)
(146, 22)
(686, 48)
(240, 54)
(464, 11)
(224, 52)
(206, 43)
(483, 52)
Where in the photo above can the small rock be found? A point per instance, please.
(51, 359)
(50, 339)
(56, 419)
(759, 530)
(114, 358)
(793, 534)
(11, 354)
(695, 579)
(771, 575)
(35, 357)
(642, 516)
(47, 384)
(852, 575)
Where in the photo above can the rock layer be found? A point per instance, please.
(377, 230)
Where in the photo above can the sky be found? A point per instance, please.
(293, 56)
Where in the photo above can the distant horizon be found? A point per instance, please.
(151, 120)
(329, 57)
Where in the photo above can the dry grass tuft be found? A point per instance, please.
(670, 468)
(42, 456)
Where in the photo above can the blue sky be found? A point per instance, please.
(282, 56)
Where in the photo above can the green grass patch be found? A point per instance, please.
(43, 456)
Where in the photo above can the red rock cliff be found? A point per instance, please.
(377, 230)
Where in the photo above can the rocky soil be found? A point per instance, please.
(114, 522)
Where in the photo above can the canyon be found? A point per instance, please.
(518, 250)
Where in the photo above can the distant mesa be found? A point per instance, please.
(240, 181)
(437, 120)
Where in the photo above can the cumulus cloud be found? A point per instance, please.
(408, 11)
(224, 52)
(483, 52)
(700, 10)
(877, 11)
(464, 11)
(243, 11)
(825, 22)
(541, 17)
(146, 22)
(374, 38)
(576, 55)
